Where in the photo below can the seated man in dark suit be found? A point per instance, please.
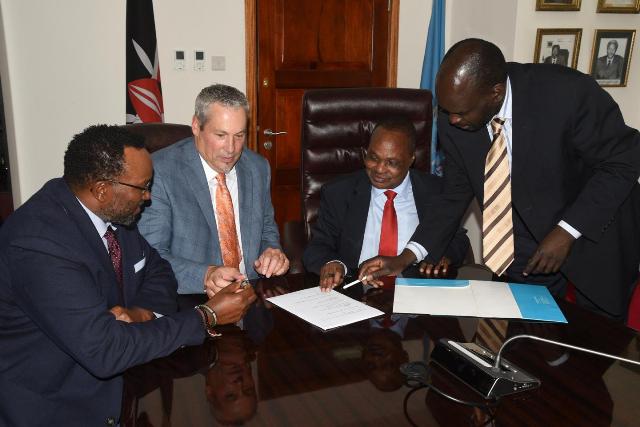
(79, 287)
(353, 222)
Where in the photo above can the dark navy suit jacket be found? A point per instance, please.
(62, 352)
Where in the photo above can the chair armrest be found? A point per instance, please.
(293, 244)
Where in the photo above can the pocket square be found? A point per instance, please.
(139, 265)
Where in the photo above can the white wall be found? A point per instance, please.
(62, 70)
(528, 21)
(217, 27)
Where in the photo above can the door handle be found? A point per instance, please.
(269, 132)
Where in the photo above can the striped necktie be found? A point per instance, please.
(497, 222)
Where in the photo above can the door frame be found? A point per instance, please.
(251, 60)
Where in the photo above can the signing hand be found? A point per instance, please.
(132, 315)
(219, 277)
(272, 262)
(380, 266)
(231, 303)
(551, 252)
(331, 275)
(441, 269)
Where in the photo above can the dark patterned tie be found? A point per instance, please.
(115, 253)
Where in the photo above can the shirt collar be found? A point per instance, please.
(400, 190)
(505, 111)
(210, 174)
(98, 223)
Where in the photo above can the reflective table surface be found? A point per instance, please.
(277, 370)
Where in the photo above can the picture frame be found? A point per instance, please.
(618, 6)
(558, 5)
(611, 56)
(558, 46)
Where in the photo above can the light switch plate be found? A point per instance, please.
(218, 63)
(199, 60)
(178, 60)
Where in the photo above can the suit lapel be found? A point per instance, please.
(522, 135)
(245, 202)
(90, 235)
(197, 182)
(357, 212)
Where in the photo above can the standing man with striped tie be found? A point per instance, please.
(211, 215)
(547, 154)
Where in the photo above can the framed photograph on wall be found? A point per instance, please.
(558, 46)
(611, 56)
(558, 4)
(618, 6)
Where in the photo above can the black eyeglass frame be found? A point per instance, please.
(145, 189)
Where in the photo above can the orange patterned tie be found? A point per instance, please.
(497, 223)
(226, 224)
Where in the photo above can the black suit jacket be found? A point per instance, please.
(61, 350)
(574, 159)
(344, 206)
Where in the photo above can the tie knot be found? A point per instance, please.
(110, 234)
(390, 194)
(496, 125)
(222, 179)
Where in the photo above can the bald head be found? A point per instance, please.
(470, 84)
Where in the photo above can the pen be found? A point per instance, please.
(348, 285)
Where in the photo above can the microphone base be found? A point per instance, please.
(473, 365)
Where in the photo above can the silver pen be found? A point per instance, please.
(348, 285)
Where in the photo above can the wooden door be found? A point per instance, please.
(304, 44)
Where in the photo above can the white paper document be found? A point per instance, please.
(326, 310)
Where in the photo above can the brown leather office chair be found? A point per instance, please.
(159, 135)
(336, 126)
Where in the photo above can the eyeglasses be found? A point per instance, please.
(145, 189)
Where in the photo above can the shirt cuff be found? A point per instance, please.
(418, 250)
(341, 263)
(569, 229)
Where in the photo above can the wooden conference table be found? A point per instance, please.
(280, 371)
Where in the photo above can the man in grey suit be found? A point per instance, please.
(211, 242)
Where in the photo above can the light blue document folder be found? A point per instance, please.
(475, 298)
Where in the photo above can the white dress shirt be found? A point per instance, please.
(232, 185)
(406, 213)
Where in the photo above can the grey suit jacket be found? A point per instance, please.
(180, 222)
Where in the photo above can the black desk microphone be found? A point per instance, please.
(492, 375)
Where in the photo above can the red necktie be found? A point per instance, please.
(116, 254)
(389, 234)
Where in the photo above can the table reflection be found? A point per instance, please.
(275, 369)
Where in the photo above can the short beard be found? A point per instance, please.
(118, 217)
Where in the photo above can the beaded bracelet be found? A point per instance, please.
(208, 328)
(212, 314)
